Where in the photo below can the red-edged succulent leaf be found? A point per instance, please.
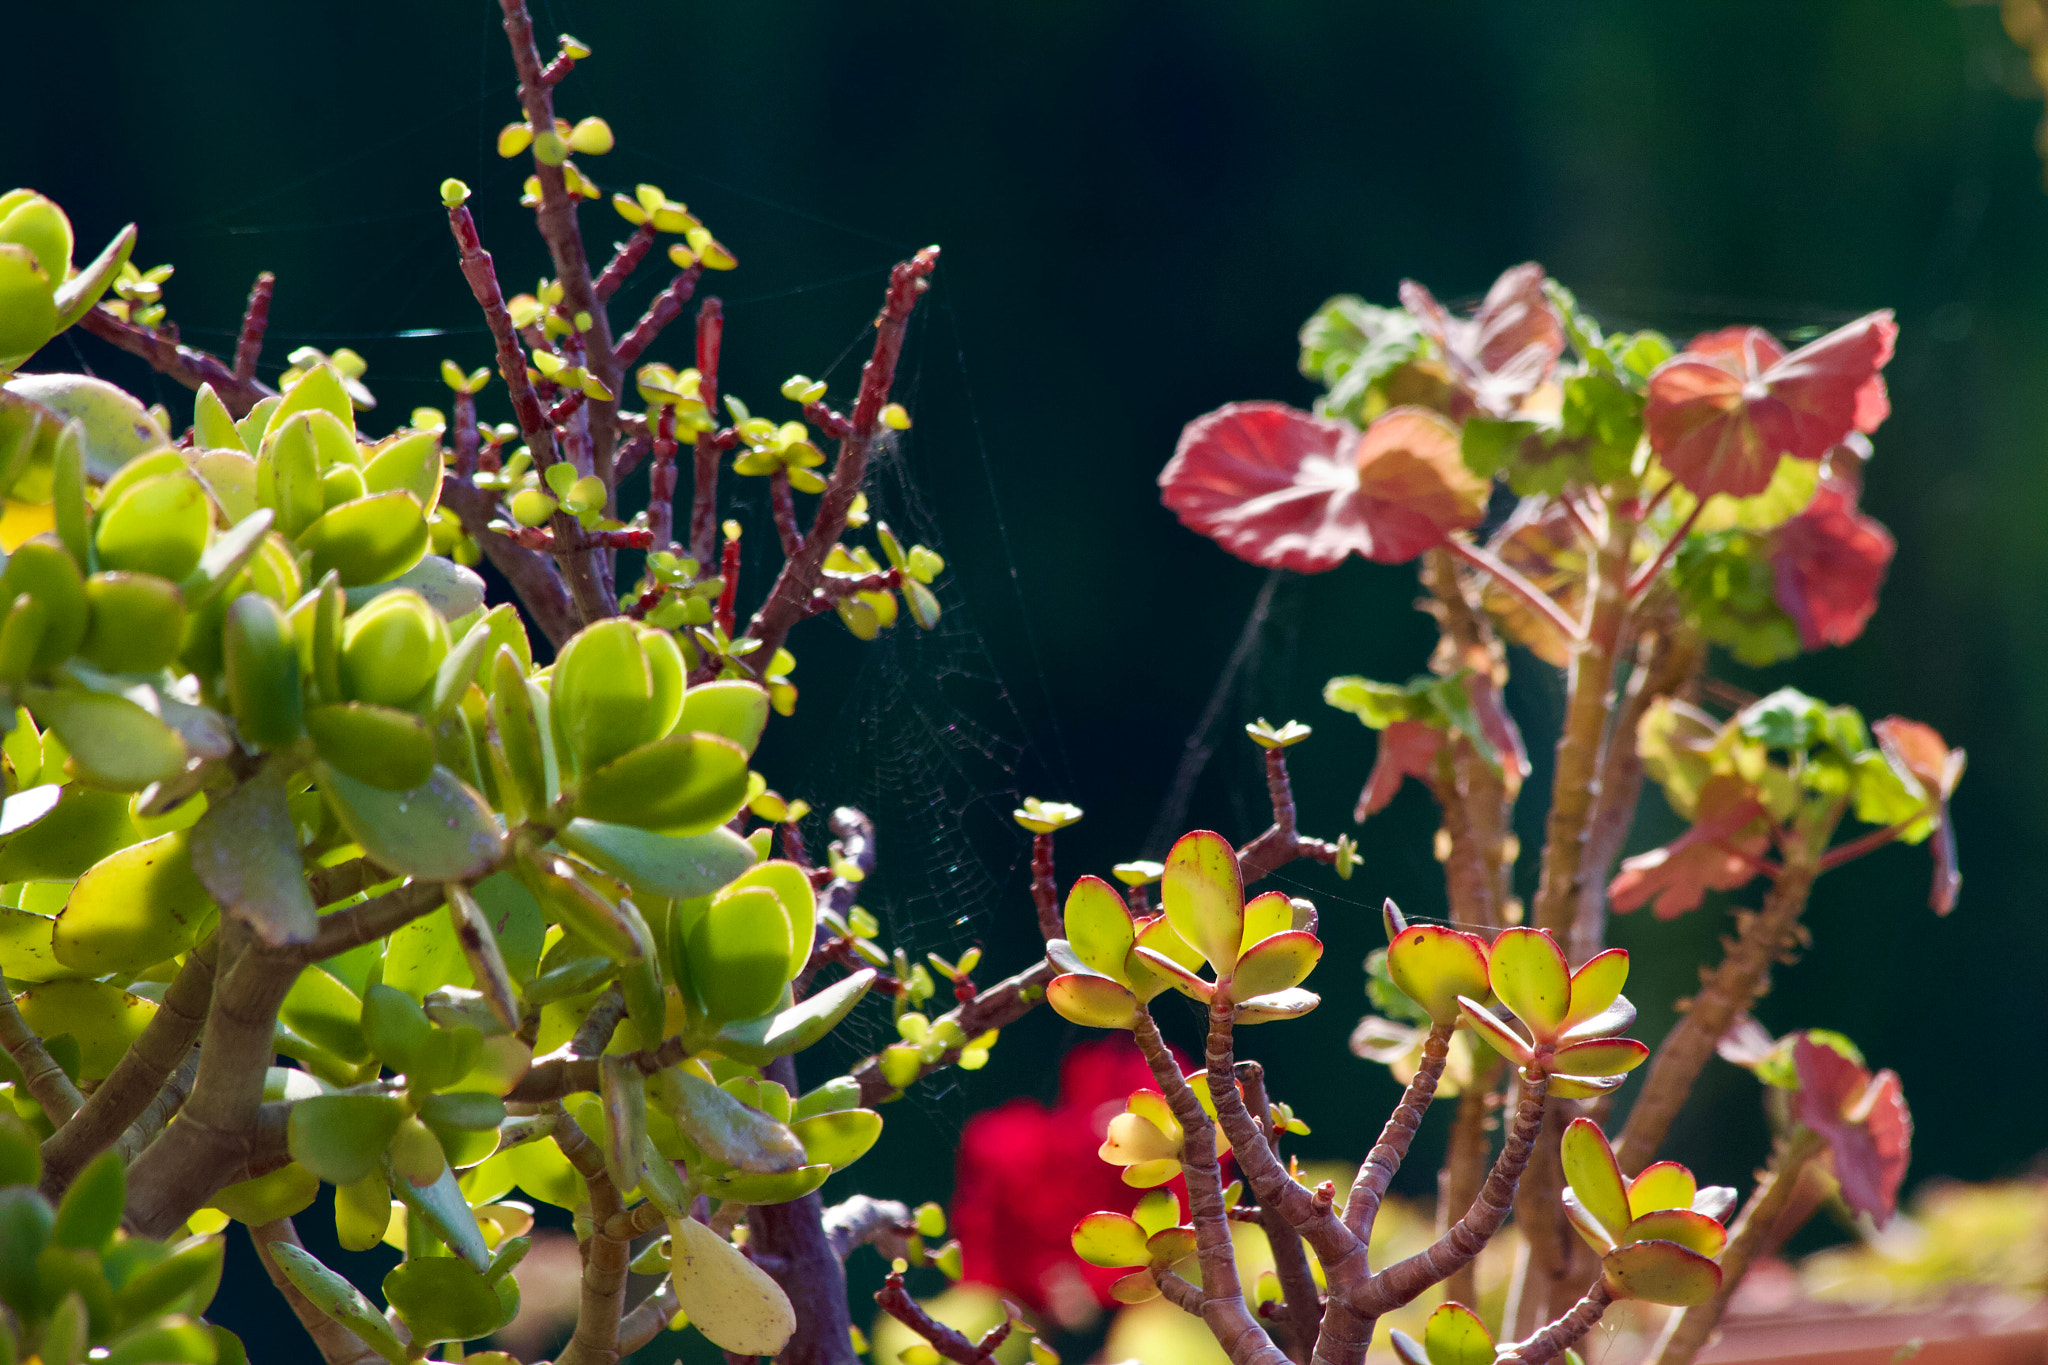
(1134, 1138)
(1099, 927)
(1661, 1272)
(1616, 1018)
(1494, 1033)
(1175, 975)
(1731, 830)
(1267, 1009)
(1502, 353)
(1594, 1175)
(1434, 966)
(1715, 1201)
(1865, 1121)
(1110, 1240)
(1203, 896)
(1596, 985)
(1407, 748)
(1601, 1057)
(1827, 564)
(1407, 1349)
(1590, 1229)
(1683, 1226)
(1092, 1001)
(1662, 1185)
(1276, 963)
(1138, 1287)
(1583, 1087)
(1530, 976)
(1454, 1335)
(1722, 413)
(1266, 914)
(1920, 750)
(1171, 1244)
(1286, 489)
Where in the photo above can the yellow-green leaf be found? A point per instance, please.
(135, 908)
(1204, 897)
(728, 1298)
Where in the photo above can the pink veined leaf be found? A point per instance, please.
(1503, 352)
(1408, 748)
(1865, 1121)
(1717, 854)
(1283, 488)
(1828, 563)
(1722, 413)
(1921, 751)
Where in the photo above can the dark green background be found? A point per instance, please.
(1139, 204)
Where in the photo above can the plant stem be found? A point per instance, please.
(704, 499)
(174, 360)
(813, 1274)
(337, 1345)
(1464, 1168)
(1764, 937)
(894, 1300)
(1503, 573)
(1640, 584)
(1688, 1331)
(1301, 1309)
(601, 1309)
(1560, 1336)
(1385, 1158)
(45, 1080)
(255, 321)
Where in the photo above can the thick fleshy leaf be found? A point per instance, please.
(1174, 974)
(613, 690)
(1504, 351)
(1716, 1202)
(279, 1194)
(1134, 1288)
(1616, 1018)
(739, 953)
(1092, 1001)
(443, 1299)
(1591, 1229)
(1099, 927)
(1601, 1057)
(338, 1299)
(1133, 1138)
(28, 305)
(381, 746)
(733, 708)
(1661, 1272)
(113, 742)
(1591, 1171)
(367, 540)
(1433, 966)
(1583, 1087)
(1827, 564)
(1266, 914)
(1721, 413)
(1203, 896)
(725, 1128)
(1865, 1120)
(749, 1187)
(1279, 1005)
(1693, 1230)
(342, 1138)
(760, 1041)
(440, 831)
(1529, 974)
(683, 784)
(1406, 1349)
(1110, 1240)
(1171, 1244)
(1662, 1185)
(1596, 985)
(1454, 1335)
(1151, 1106)
(245, 849)
(1276, 963)
(442, 1206)
(839, 1138)
(134, 909)
(1494, 1033)
(792, 886)
(728, 1298)
(679, 867)
(115, 426)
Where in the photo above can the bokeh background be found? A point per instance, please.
(1139, 203)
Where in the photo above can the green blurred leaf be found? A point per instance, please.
(341, 1138)
(245, 850)
(439, 831)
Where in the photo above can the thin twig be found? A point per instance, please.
(1647, 575)
(174, 360)
(665, 308)
(255, 321)
(1537, 600)
(894, 1300)
(624, 262)
(45, 1079)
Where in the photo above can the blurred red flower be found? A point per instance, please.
(1721, 413)
(1829, 562)
(1027, 1173)
(1286, 489)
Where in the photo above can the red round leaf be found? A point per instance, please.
(1828, 563)
(1865, 1121)
(1503, 352)
(1722, 413)
(1283, 488)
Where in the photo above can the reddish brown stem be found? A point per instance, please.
(1867, 843)
(704, 501)
(1640, 584)
(1300, 1314)
(800, 574)
(255, 321)
(667, 306)
(624, 262)
(1045, 891)
(784, 502)
(1560, 1336)
(954, 1346)
(1385, 1158)
(176, 361)
(661, 480)
(1503, 573)
(729, 572)
(1282, 842)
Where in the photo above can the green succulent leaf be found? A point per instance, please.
(680, 867)
(342, 1138)
(760, 1041)
(338, 1299)
(245, 852)
(438, 831)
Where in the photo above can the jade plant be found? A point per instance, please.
(322, 872)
